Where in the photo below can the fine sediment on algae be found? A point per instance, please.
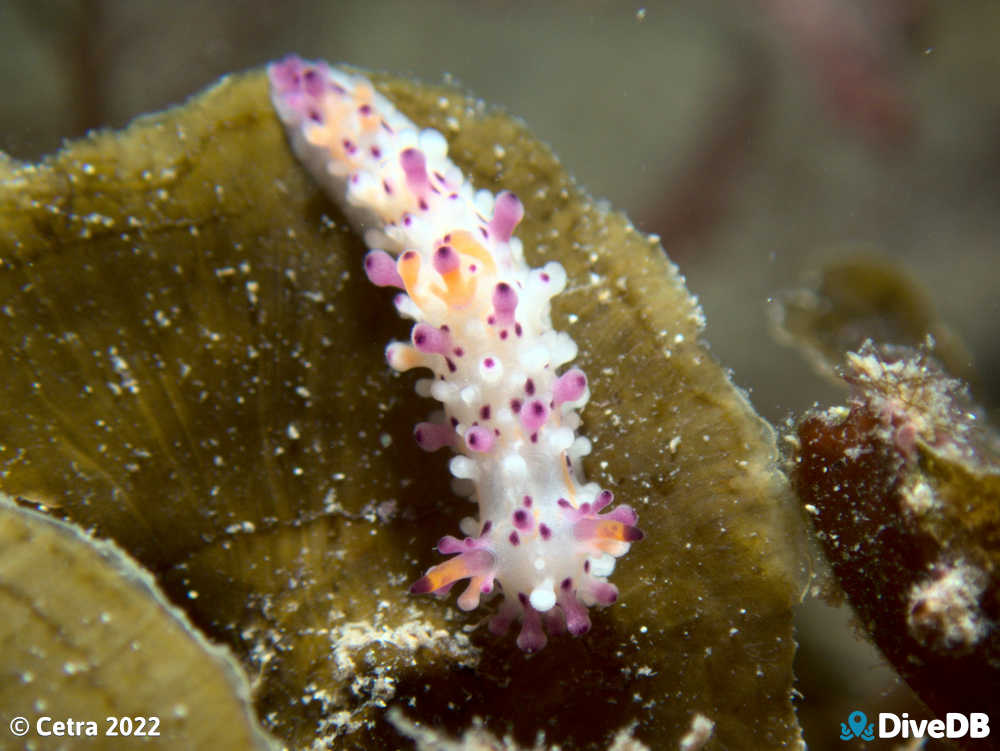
(193, 367)
(86, 633)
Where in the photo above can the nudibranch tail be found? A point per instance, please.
(482, 327)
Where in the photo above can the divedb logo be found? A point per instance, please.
(954, 725)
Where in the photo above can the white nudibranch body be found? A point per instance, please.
(483, 330)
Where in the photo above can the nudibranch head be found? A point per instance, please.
(544, 538)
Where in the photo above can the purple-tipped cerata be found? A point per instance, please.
(544, 541)
(381, 269)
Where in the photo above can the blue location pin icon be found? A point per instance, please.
(857, 721)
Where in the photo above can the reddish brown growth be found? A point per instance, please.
(904, 499)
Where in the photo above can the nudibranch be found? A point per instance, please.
(544, 537)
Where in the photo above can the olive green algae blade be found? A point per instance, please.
(87, 635)
(194, 367)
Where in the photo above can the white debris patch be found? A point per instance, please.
(366, 656)
(698, 735)
(919, 497)
(477, 738)
(126, 380)
(944, 612)
(349, 638)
